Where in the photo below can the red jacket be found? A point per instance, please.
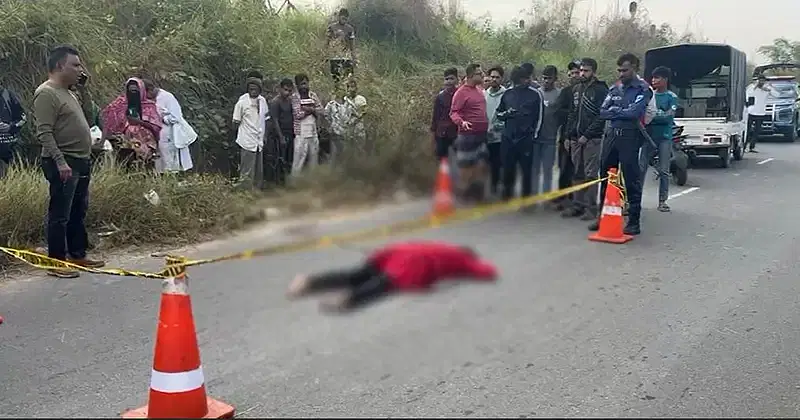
(419, 265)
(469, 105)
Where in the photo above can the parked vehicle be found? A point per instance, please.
(783, 108)
(710, 81)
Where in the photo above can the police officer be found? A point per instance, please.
(625, 107)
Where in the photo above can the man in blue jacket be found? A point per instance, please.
(521, 110)
(625, 107)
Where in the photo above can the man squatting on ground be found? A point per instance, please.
(625, 107)
(584, 138)
(400, 267)
(468, 112)
(521, 110)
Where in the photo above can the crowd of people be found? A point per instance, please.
(145, 126)
(494, 125)
(494, 130)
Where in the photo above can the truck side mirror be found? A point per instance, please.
(751, 101)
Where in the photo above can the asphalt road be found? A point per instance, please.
(696, 317)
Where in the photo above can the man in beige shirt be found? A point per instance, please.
(63, 132)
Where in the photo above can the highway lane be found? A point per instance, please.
(696, 317)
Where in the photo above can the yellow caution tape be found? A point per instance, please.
(176, 265)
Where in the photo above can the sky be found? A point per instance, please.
(728, 21)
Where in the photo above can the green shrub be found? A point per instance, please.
(200, 50)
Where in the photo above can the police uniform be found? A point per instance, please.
(624, 108)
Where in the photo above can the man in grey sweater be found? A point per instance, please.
(544, 146)
(63, 131)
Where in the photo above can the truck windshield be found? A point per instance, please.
(784, 90)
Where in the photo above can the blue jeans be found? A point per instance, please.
(664, 155)
(544, 159)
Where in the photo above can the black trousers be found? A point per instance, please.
(621, 149)
(285, 157)
(443, 147)
(341, 68)
(565, 168)
(366, 283)
(66, 212)
(514, 154)
(495, 165)
(754, 126)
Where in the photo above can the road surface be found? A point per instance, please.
(696, 317)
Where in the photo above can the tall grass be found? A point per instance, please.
(200, 50)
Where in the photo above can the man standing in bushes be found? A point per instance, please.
(468, 112)
(250, 116)
(308, 111)
(585, 136)
(342, 38)
(443, 128)
(66, 140)
(283, 116)
(12, 118)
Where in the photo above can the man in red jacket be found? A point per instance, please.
(468, 112)
(400, 267)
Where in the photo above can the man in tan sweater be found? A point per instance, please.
(63, 132)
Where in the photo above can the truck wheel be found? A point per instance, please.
(738, 147)
(725, 157)
(680, 176)
(791, 136)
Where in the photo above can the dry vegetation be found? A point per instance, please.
(201, 49)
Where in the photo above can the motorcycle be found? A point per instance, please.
(679, 163)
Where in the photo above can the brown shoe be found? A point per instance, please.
(85, 262)
(64, 273)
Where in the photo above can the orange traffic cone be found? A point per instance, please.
(177, 384)
(443, 202)
(611, 220)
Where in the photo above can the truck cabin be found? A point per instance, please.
(709, 79)
(783, 78)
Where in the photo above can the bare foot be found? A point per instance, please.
(335, 303)
(298, 287)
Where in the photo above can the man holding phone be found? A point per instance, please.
(63, 131)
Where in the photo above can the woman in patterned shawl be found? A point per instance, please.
(133, 119)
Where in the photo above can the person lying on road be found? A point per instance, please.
(400, 267)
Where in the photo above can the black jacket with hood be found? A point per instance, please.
(584, 114)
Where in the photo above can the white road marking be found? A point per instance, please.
(684, 192)
(765, 161)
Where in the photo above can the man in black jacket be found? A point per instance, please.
(584, 134)
(521, 110)
(12, 118)
(564, 104)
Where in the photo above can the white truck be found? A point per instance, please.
(710, 81)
